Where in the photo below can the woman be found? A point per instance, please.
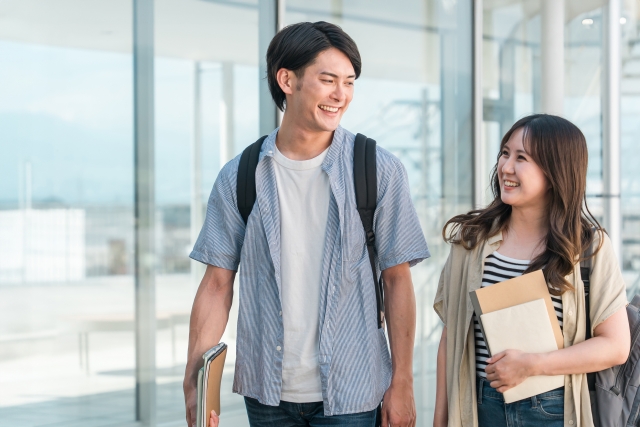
(537, 220)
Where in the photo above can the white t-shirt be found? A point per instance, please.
(303, 194)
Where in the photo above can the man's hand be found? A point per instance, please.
(191, 404)
(399, 408)
(398, 405)
(508, 369)
(209, 317)
(214, 420)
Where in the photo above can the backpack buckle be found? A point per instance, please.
(371, 238)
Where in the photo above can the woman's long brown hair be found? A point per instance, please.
(559, 148)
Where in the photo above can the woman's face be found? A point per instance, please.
(522, 182)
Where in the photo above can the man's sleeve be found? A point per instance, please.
(399, 237)
(220, 240)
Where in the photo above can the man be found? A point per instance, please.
(309, 352)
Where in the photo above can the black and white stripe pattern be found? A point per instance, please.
(498, 268)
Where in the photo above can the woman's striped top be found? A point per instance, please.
(498, 268)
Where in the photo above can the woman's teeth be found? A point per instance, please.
(329, 109)
(511, 184)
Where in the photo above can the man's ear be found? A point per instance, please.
(286, 80)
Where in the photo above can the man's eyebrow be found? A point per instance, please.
(335, 76)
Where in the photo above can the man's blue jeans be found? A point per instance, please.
(546, 409)
(289, 414)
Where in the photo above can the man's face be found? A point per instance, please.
(322, 95)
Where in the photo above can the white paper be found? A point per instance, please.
(524, 327)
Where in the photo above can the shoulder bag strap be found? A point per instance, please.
(246, 181)
(366, 186)
(585, 275)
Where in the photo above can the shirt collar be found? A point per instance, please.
(269, 145)
(495, 239)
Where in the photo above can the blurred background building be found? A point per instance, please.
(116, 116)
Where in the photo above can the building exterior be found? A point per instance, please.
(116, 115)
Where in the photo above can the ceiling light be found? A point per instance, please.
(587, 21)
(623, 20)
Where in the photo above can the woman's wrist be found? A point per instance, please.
(536, 364)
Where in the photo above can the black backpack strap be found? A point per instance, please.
(585, 275)
(246, 182)
(366, 186)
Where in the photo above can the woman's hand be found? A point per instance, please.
(508, 369)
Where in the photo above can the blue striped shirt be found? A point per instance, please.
(354, 359)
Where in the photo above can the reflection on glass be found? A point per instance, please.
(206, 106)
(66, 221)
(630, 88)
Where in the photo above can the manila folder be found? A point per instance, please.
(521, 289)
(209, 383)
(525, 327)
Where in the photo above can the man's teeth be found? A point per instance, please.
(511, 184)
(329, 109)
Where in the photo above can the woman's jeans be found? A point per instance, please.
(546, 409)
(289, 414)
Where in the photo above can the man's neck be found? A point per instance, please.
(297, 143)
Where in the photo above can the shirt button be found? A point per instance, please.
(571, 422)
(278, 348)
(280, 313)
(570, 313)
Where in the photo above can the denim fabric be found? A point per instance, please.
(289, 414)
(545, 409)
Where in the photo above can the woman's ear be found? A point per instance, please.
(286, 80)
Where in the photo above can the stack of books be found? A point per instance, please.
(518, 314)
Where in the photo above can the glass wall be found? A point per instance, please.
(66, 219)
(414, 99)
(206, 107)
(67, 345)
(630, 88)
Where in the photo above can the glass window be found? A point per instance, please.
(66, 218)
(206, 111)
(583, 93)
(630, 88)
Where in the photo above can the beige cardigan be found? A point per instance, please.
(463, 273)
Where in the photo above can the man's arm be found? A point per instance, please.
(399, 407)
(209, 317)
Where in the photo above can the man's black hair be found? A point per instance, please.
(296, 46)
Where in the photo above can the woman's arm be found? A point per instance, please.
(608, 347)
(441, 412)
